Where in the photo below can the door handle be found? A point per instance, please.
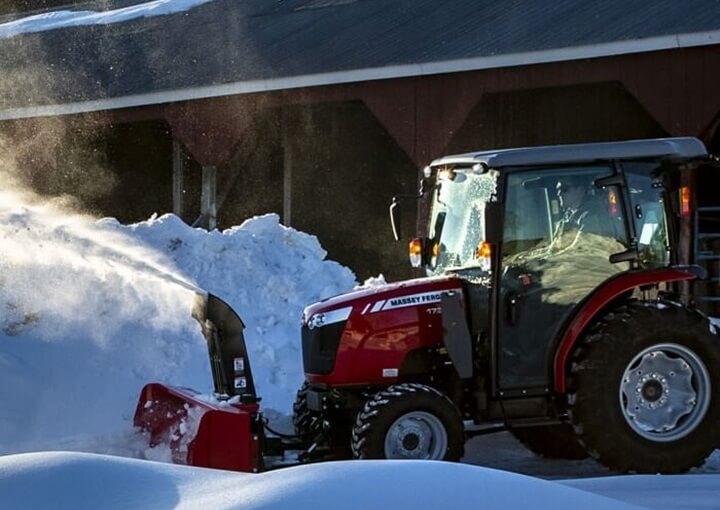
(513, 301)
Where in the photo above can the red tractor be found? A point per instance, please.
(558, 303)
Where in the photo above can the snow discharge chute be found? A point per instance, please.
(223, 431)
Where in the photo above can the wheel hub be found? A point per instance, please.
(660, 391)
(416, 435)
(652, 391)
(411, 442)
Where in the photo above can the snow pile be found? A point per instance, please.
(64, 19)
(90, 481)
(657, 492)
(90, 311)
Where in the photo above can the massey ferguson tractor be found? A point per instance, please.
(559, 302)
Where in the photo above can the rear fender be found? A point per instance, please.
(600, 298)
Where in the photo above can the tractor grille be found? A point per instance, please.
(320, 347)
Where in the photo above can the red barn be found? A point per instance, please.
(321, 110)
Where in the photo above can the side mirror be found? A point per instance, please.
(494, 218)
(395, 218)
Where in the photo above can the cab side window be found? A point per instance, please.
(647, 200)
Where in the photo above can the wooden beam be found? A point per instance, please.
(287, 171)
(178, 184)
(208, 197)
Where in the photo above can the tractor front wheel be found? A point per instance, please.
(409, 421)
(646, 382)
(309, 426)
(303, 419)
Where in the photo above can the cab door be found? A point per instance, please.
(553, 254)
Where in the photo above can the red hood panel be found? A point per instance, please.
(391, 295)
(382, 325)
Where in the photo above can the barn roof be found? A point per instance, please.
(224, 47)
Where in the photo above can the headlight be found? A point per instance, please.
(316, 321)
(324, 318)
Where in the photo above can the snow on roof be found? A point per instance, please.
(54, 20)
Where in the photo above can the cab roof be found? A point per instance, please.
(659, 148)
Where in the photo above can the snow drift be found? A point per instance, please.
(92, 310)
(80, 481)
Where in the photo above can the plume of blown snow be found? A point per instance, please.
(92, 310)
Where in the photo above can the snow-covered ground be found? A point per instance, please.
(91, 310)
(76, 481)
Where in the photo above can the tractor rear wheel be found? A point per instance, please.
(551, 441)
(409, 421)
(645, 383)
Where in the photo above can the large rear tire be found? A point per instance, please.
(409, 421)
(551, 441)
(646, 388)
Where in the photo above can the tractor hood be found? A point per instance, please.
(420, 291)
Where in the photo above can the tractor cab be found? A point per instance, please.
(546, 226)
(583, 271)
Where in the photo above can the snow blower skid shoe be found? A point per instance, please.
(224, 431)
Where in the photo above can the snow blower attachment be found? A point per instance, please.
(224, 431)
(578, 333)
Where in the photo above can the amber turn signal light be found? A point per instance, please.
(484, 250)
(415, 250)
(685, 201)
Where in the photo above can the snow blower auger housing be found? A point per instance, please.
(222, 433)
(559, 302)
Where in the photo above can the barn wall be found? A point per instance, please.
(351, 147)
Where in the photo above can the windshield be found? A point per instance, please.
(457, 226)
